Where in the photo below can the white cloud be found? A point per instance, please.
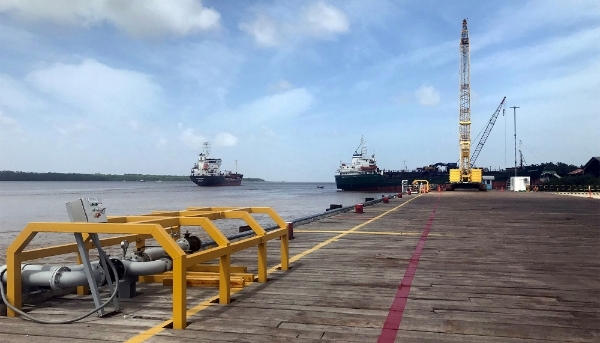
(97, 89)
(268, 133)
(286, 104)
(282, 85)
(318, 20)
(195, 141)
(264, 30)
(527, 17)
(226, 139)
(7, 121)
(324, 20)
(10, 132)
(162, 143)
(428, 96)
(192, 140)
(15, 97)
(71, 129)
(212, 65)
(563, 49)
(138, 18)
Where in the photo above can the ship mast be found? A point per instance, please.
(206, 148)
(362, 142)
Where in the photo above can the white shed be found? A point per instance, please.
(519, 183)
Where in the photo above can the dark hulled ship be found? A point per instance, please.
(362, 174)
(207, 171)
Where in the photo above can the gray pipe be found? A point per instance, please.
(57, 277)
(147, 268)
(153, 254)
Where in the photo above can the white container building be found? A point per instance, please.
(519, 183)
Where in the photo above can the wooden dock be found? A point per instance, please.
(437, 267)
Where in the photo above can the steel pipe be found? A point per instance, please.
(59, 277)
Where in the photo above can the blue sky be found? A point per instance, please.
(287, 88)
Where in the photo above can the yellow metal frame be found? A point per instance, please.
(162, 226)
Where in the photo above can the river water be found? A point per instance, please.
(30, 201)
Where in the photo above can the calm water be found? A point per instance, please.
(24, 202)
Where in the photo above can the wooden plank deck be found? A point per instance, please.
(439, 267)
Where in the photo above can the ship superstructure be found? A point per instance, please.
(362, 174)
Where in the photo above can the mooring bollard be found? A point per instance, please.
(400, 195)
(386, 200)
(408, 192)
(290, 227)
(358, 208)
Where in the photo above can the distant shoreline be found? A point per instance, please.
(7, 175)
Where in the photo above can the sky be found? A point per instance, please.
(288, 88)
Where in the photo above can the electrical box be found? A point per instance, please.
(86, 210)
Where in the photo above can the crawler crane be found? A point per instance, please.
(465, 176)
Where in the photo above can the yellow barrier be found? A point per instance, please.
(160, 225)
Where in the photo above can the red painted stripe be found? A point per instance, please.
(392, 322)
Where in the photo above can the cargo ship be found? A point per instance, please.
(207, 171)
(362, 174)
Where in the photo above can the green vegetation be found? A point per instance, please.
(575, 181)
(7, 175)
(559, 167)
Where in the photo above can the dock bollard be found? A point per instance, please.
(400, 195)
(358, 208)
(408, 192)
(290, 227)
(386, 200)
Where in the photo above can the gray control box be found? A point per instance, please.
(86, 210)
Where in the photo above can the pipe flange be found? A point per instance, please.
(184, 244)
(119, 267)
(55, 278)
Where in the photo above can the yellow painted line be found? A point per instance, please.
(362, 232)
(149, 333)
(335, 238)
(206, 303)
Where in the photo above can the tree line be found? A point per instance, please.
(7, 175)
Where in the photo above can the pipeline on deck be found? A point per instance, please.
(162, 226)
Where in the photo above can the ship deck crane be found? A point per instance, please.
(465, 176)
(486, 133)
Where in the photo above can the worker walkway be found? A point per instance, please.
(437, 267)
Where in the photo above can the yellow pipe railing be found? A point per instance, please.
(161, 226)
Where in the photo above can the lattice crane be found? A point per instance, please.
(465, 106)
(486, 133)
(465, 176)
